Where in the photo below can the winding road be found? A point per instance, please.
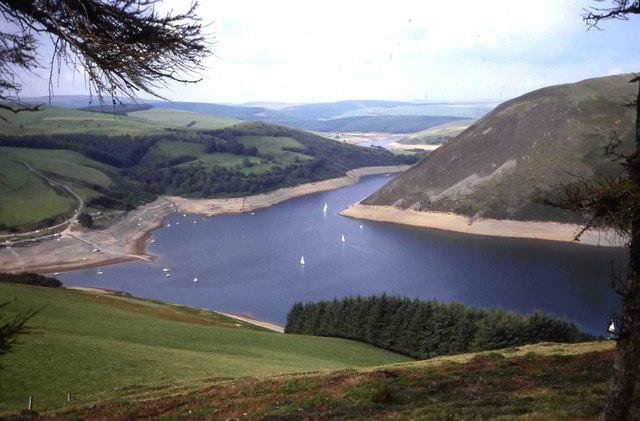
(35, 235)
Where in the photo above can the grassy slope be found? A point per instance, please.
(26, 198)
(55, 120)
(437, 134)
(180, 118)
(89, 344)
(536, 382)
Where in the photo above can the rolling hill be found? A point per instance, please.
(527, 147)
(367, 116)
(123, 161)
(91, 343)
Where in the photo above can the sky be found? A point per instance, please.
(320, 51)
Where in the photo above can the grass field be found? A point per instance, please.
(179, 118)
(89, 345)
(174, 149)
(55, 120)
(272, 145)
(435, 135)
(26, 198)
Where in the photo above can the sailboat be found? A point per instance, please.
(612, 327)
(302, 260)
(343, 240)
(99, 272)
(325, 208)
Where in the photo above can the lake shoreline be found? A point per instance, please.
(126, 240)
(534, 230)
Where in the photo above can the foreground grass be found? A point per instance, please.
(91, 345)
(536, 382)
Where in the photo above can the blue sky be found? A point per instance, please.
(302, 51)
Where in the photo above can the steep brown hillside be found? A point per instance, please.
(528, 146)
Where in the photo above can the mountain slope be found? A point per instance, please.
(529, 146)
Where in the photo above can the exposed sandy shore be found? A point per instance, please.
(491, 227)
(126, 239)
(212, 207)
(397, 145)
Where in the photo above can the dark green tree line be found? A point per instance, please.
(425, 329)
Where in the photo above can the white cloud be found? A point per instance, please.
(293, 50)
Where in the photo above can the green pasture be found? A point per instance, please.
(174, 149)
(25, 197)
(55, 120)
(272, 145)
(184, 119)
(87, 344)
(62, 163)
(436, 133)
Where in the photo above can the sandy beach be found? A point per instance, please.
(126, 239)
(551, 231)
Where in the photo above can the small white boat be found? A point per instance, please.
(153, 240)
(99, 272)
(195, 280)
(360, 226)
(325, 207)
(612, 327)
(302, 260)
(343, 239)
(166, 269)
(167, 275)
(56, 273)
(168, 225)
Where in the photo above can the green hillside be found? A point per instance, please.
(438, 134)
(112, 166)
(91, 345)
(186, 119)
(525, 148)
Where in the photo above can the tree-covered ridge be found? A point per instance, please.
(248, 158)
(118, 151)
(425, 329)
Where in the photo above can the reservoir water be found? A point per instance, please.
(250, 263)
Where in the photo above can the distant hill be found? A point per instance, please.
(367, 116)
(323, 117)
(327, 110)
(529, 146)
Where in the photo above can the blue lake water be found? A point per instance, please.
(249, 263)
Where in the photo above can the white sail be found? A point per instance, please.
(302, 260)
(612, 327)
(325, 207)
(343, 240)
